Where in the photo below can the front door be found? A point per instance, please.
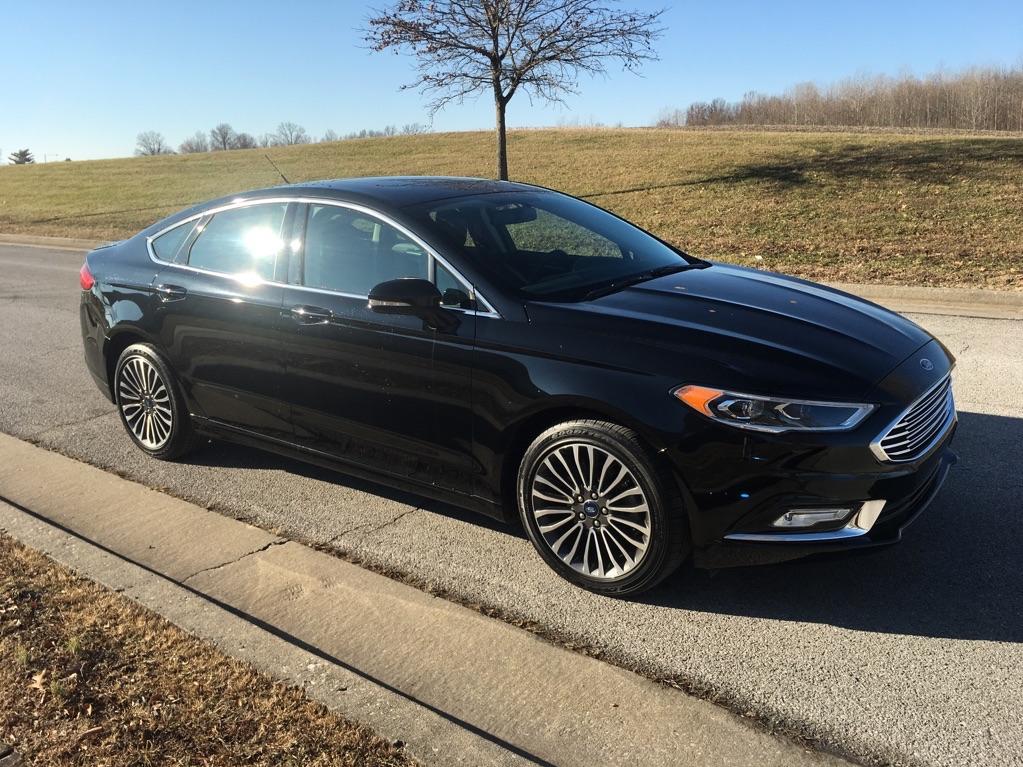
(386, 392)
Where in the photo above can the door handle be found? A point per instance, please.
(170, 292)
(310, 315)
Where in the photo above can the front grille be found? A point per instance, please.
(920, 427)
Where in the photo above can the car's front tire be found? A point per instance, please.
(150, 404)
(599, 510)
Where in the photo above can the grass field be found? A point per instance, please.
(88, 677)
(922, 209)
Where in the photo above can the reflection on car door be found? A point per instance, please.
(386, 392)
(219, 318)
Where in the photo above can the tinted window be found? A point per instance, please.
(241, 241)
(548, 233)
(544, 244)
(453, 292)
(350, 252)
(167, 245)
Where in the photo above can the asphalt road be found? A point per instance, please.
(911, 655)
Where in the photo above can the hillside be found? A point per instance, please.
(868, 207)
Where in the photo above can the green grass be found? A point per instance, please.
(926, 209)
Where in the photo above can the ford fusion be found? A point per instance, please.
(525, 354)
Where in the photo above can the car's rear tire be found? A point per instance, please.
(599, 510)
(150, 404)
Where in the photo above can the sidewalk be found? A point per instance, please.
(457, 687)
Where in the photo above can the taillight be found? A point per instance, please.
(85, 278)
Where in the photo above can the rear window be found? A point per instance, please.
(168, 245)
(241, 241)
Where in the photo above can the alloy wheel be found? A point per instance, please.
(145, 402)
(591, 510)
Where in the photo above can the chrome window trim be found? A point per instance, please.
(950, 418)
(488, 309)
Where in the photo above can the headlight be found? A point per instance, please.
(773, 414)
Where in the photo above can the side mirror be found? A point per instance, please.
(408, 295)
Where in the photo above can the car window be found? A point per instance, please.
(452, 291)
(241, 241)
(544, 245)
(167, 245)
(550, 233)
(350, 252)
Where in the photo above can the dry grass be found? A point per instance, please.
(869, 206)
(90, 678)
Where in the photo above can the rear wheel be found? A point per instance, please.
(598, 509)
(151, 408)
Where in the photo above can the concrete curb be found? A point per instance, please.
(53, 243)
(457, 687)
(428, 736)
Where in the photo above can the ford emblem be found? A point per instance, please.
(926, 364)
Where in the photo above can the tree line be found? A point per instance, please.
(223, 137)
(973, 99)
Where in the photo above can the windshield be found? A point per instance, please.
(545, 245)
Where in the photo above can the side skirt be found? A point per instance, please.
(248, 438)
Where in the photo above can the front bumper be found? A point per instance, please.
(898, 512)
(740, 485)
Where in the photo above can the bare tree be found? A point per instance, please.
(414, 129)
(221, 137)
(329, 136)
(243, 141)
(197, 143)
(289, 133)
(466, 48)
(151, 142)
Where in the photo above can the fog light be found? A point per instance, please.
(810, 517)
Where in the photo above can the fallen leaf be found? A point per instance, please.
(38, 681)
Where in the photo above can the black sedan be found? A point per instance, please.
(522, 353)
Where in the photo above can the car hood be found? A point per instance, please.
(749, 330)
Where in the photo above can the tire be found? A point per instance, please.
(150, 404)
(598, 542)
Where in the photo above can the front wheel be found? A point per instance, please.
(598, 510)
(151, 408)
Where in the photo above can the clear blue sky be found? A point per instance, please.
(81, 79)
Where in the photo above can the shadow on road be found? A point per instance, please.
(228, 455)
(956, 574)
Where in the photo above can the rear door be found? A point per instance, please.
(386, 392)
(220, 316)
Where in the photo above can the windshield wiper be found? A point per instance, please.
(650, 274)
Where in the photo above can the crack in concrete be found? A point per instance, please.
(343, 533)
(388, 523)
(40, 434)
(235, 561)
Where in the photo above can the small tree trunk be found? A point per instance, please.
(502, 140)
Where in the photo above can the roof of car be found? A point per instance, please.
(399, 191)
(382, 192)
